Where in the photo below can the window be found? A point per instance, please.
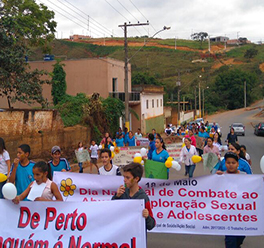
(147, 104)
(161, 102)
(152, 103)
(157, 103)
(114, 84)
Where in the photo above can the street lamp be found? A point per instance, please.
(126, 70)
(146, 41)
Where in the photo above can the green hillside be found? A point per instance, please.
(166, 64)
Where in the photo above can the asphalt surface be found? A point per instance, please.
(255, 148)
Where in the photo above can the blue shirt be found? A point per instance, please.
(243, 165)
(203, 135)
(215, 127)
(120, 142)
(63, 165)
(152, 148)
(160, 157)
(131, 142)
(125, 138)
(24, 176)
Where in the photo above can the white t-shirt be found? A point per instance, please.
(3, 165)
(138, 135)
(113, 172)
(94, 150)
(247, 157)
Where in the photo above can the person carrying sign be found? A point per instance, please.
(131, 190)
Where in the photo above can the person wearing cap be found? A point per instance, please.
(231, 163)
(58, 163)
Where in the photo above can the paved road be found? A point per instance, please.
(255, 147)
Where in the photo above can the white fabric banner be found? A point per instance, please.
(126, 154)
(214, 204)
(72, 224)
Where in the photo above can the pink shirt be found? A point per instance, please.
(214, 150)
(193, 139)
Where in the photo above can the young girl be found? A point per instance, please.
(94, 155)
(78, 150)
(42, 174)
(160, 154)
(4, 163)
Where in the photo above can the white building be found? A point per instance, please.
(149, 109)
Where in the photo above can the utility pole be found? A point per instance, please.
(245, 94)
(126, 70)
(175, 43)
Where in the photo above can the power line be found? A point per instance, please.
(130, 13)
(67, 17)
(142, 14)
(122, 15)
(73, 16)
(138, 10)
(83, 17)
(88, 16)
(117, 10)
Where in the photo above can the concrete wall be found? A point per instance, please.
(155, 122)
(41, 130)
(84, 75)
(135, 122)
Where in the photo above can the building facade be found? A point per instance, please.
(100, 75)
(149, 108)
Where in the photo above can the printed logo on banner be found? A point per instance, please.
(67, 187)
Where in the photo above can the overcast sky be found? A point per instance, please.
(243, 18)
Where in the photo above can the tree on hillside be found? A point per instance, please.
(251, 53)
(59, 86)
(144, 78)
(201, 36)
(23, 23)
(228, 91)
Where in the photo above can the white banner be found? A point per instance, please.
(72, 225)
(214, 204)
(126, 154)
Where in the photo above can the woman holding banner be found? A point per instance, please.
(160, 154)
(186, 157)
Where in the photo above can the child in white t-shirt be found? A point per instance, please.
(94, 155)
(4, 163)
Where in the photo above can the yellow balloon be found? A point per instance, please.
(196, 159)
(137, 160)
(183, 145)
(170, 159)
(168, 163)
(113, 154)
(3, 177)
